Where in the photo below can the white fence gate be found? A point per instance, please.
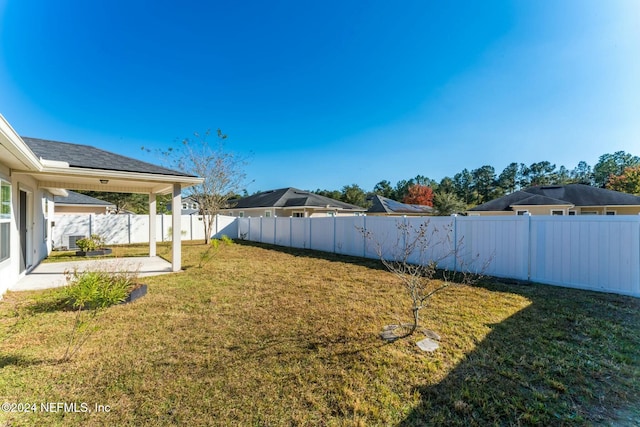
(599, 253)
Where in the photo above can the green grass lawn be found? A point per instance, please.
(260, 335)
(133, 250)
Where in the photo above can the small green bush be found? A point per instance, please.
(89, 293)
(91, 243)
(97, 289)
(214, 245)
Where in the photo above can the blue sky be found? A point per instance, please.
(326, 94)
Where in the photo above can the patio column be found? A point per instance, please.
(176, 224)
(152, 224)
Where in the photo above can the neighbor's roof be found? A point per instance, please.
(85, 156)
(539, 200)
(385, 205)
(79, 199)
(291, 197)
(570, 194)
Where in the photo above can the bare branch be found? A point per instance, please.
(223, 173)
(418, 259)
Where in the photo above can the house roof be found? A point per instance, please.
(86, 156)
(570, 194)
(62, 165)
(539, 200)
(389, 206)
(291, 197)
(79, 199)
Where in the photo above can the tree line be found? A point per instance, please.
(619, 171)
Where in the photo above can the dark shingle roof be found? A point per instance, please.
(570, 194)
(385, 205)
(79, 199)
(586, 195)
(85, 156)
(290, 197)
(539, 200)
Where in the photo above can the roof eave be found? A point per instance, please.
(17, 147)
(111, 174)
(567, 205)
(322, 207)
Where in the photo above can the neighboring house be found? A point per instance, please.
(290, 202)
(75, 203)
(388, 207)
(33, 171)
(570, 199)
(190, 206)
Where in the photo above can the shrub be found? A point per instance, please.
(97, 289)
(90, 243)
(205, 256)
(88, 293)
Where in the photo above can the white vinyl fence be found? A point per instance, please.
(599, 253)
(123, 229)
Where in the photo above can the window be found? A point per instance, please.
(5, 219)
(588, 213)
(557, 212)
(298, 214)
(572, 213)
(610, 213)
(184, 206)
(524, 212)
(241, 214)
(267, 214)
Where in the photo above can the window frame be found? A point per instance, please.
(6, 210)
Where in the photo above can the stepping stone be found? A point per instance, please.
(431, 334)
(388, 333)
(428, 344)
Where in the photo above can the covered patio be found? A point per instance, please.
(53, 274)
(67, 166)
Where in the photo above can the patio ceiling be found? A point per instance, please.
(71, 178)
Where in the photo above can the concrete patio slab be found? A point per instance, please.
(51, 274)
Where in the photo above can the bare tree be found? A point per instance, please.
(417, 258)
(222, 171)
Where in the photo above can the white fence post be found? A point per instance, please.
(364, 236)
(455, 242)
(529, 240)
(334, 233)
